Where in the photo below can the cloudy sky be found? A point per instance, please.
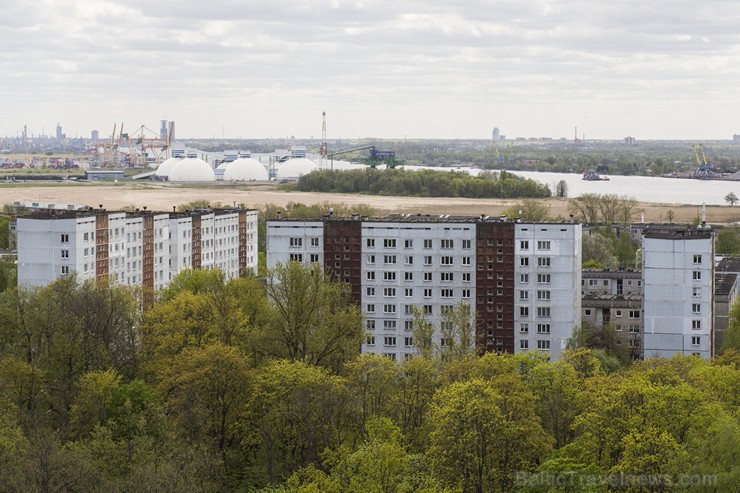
(653, 69)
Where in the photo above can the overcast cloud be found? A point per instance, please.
(652, 69)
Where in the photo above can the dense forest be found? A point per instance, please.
(258, 385)
(422, 183)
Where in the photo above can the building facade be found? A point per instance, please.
(678, 291)
(134, 248)
(432, 265)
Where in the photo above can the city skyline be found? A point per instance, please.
(664, 70)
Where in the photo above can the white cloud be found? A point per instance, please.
(658, 69)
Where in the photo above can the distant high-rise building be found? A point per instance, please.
(496, 134)
(630, 141)
(172, 131)
(94, 135)
(736, 138)
(163, 130)
(60, 135)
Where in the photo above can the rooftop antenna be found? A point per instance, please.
(324, 149)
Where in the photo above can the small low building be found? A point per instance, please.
(104, 174)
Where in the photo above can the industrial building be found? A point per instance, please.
(133, 248)
(522, 280)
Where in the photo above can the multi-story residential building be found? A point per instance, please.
(404, 263)
(135, 248)
(678, 291)
(726, 294)
(614, 297)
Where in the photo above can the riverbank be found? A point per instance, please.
(160, 196)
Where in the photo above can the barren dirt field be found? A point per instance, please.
(165, 196)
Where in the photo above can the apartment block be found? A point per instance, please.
(134, 248)
(406, 262)
(678, 296)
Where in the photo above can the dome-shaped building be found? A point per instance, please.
(164, 169)
(245, 169)
(292, 169)
(191, 169)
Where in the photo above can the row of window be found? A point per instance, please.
(617, 313)
(445, 244)
(409, 276)
(409, 292)
(408, 309)
(543, 345)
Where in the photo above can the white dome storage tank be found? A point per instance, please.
(192, 169)
(293, 169)
(245, 169)
(164, 169)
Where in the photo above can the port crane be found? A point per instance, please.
(704, 169)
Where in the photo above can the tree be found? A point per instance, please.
(585, 208)
(311, 317)
(597, 247)
(529, 210)
(561, 189)
(731, 198)
(731, 336)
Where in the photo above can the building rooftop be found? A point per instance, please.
(419, 218)
(729, 264)
(90, 211)
(679, 232)
(724, 282)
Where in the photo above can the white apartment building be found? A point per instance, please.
(547, 285)
(134, 248)
(678, 280)
(434, 263)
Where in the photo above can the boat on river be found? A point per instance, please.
(592, 175)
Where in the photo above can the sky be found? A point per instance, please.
(652, 69)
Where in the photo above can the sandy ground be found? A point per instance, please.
(164, 197)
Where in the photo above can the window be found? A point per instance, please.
(408, 292)
(389, 276)
(447, 293)
(524, 328)
(543, 345)
(65, 238)
(65, 269)
(543, 278)
(697, 275)
(370, 308)
(446, 260)
(389, 308)
(370, 242)
(466, 277)
(370, 275)
(297, 257)
(524, 278)
(587, 312)
(389, 243)
(314, 242)
(408, 243)
(523, 311)
(543, 245)
(634, 329)
(543, 294)
(296, 242)
(695, 340)
(408, 325)
(427, 293)
(86, 236)
(371, 325)
(389, 259)
(593, 282)
(466, 244)
(389, 292)
(618, 328)
(408, 341)
(407, 309)
(389, 324)
(543, 312)
(696, 324)
(427, 309)
(427, 243)
(697, 259)
(466, 293)
(524, 344)
(695, 308)
(446, 276)
(524, 261)
(446, 244)
(427, 260)
(696, 292)
(389, 340)
(543, 328)
(370, 340)
(634, 314)
(618, 313)
(314, 257)
(371, 259)
(408, 276)
(466, 260)
(370, 291)
(543, 262)
(409, 260)
(524, 245)
(427, 276)
(65, 253)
